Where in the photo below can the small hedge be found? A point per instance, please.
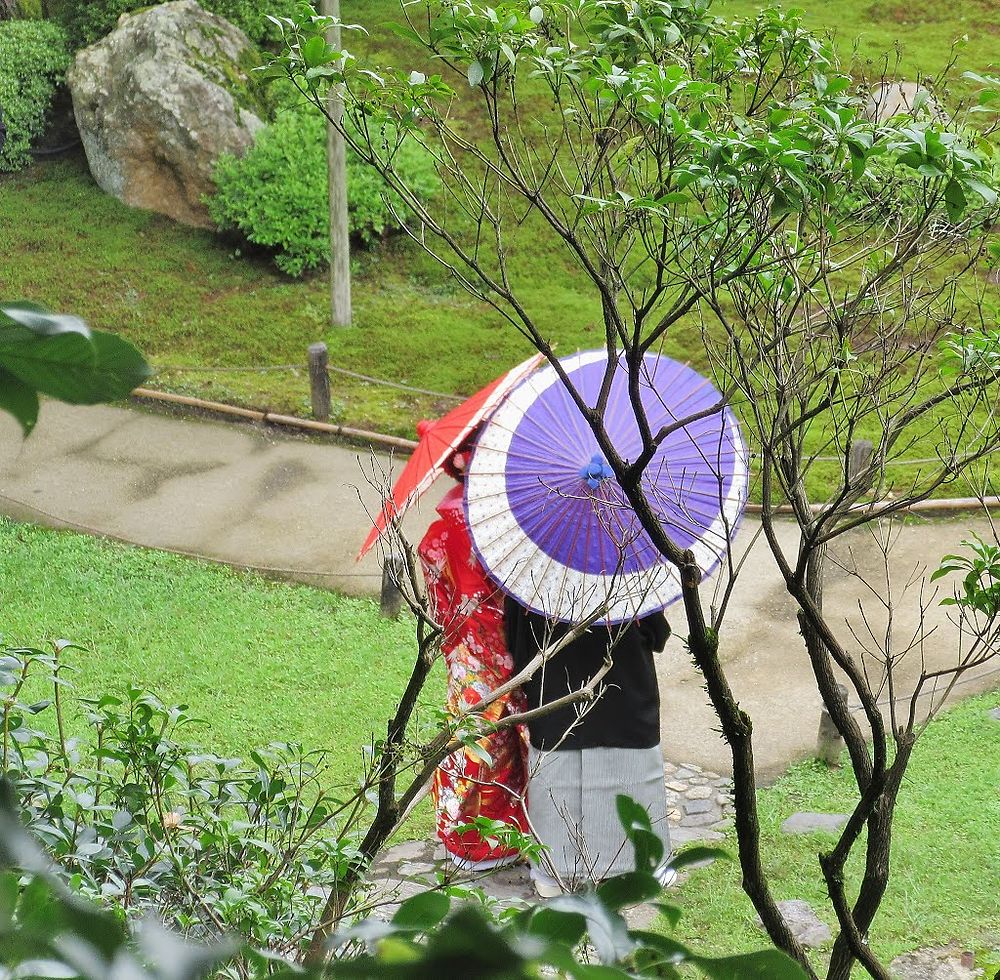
(276, 196)
(33, 58)
(89, 22)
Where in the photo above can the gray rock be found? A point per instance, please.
(679, 836)
(931, 964)
(640, 916)
(697, 806)
(699, 793)
(890, 99)
(995, 713)
(415, 869)
(158, 101)
(699, 819)
(811, 823)
(410, 850)
(805, 925)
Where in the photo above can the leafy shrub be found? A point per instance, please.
(141, 821)
(89, 22)
(33, 57)
(237, 856)
(276, 196)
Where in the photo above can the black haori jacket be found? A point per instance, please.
(626, 714)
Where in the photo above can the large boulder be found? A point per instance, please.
(889, 99)
(158, 100)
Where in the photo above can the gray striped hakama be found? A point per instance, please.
(571, 807)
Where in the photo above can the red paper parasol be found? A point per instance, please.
(438, 440)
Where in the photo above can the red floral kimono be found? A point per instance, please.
(469, 609)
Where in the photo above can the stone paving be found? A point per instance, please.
(699, 810)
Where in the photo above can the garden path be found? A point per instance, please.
(297, 506)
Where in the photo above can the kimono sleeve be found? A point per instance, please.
(433, 551)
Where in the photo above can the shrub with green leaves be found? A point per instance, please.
(33, 57)
(89, 22)
(276, 196)
(237, 856)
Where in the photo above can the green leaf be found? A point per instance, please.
(422, 912)
(120, 367)
(639, 830)
(38, 320)
(9, 889)
(314, 51)
(475, 73)
(607, 929)
(466, 936)
(692, 855)
(630, 888)
(955, 200)
(768, 964)
(59, 356)
(19, 399)
(565, 928)
(406, 32)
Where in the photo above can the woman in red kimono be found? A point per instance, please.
(469, 610)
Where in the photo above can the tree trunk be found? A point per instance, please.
(8, 9)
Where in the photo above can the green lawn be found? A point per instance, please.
(945, 859)
(257, 660)
(260, 660)
(190, 301)
(187, 299)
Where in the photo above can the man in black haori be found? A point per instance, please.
(580, 760)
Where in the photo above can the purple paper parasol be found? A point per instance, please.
(550, 522)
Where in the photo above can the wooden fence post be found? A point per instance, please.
(319, 382)
(391, 602)
(829, 742)
(861, 455)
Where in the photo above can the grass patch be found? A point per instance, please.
(945, 864)
(258, 660)
(198, 308)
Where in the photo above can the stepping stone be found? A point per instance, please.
(640, 916)
(679, 836)
(807, 927)
(931, 964)
(700, 819)
(698, 806)
(410, 850)
(699, 793)
(811, 823)
(413, 869)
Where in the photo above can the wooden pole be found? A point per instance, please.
(340, 245)
(319, 381)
